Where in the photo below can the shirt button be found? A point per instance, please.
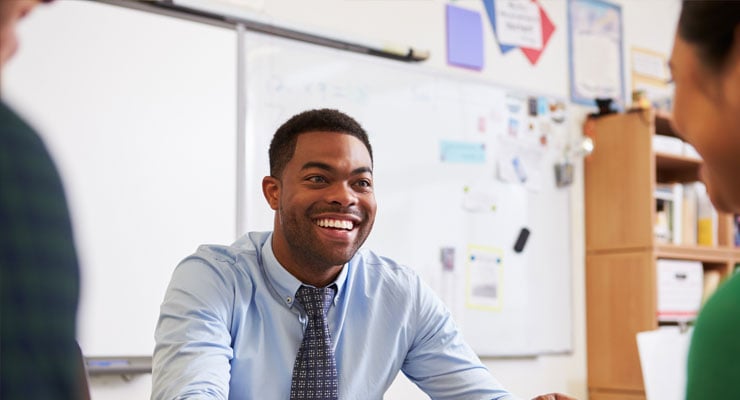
(289, 300)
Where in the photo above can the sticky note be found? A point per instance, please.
(464, 38)
(462, 152)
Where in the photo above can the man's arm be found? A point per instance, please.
(554, 396)
(193, 342)
(443, 365)
(440, 362)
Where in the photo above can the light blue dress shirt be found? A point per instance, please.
(229, 329)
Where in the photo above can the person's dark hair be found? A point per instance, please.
(710, 25)
(283, 143)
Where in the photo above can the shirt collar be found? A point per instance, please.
(285, 284)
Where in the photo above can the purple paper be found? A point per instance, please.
(464, 38)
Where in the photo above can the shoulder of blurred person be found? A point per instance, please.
(39, 273)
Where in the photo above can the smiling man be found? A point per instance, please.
(301, 312)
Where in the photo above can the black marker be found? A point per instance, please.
(521, 240)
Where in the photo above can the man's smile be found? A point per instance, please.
(335, 223)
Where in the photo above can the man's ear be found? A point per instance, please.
(271, 190)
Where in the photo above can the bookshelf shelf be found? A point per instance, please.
(662, 121)
(622, 177)
(705, 254)
(675, 168)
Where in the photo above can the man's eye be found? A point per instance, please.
(316, 179)
(364, 184)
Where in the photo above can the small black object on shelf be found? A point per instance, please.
(605, 106)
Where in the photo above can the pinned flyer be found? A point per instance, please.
(520, 24)
(484, 272)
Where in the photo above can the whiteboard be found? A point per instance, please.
(442, 146)
(143, 134)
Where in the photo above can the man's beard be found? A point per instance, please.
(300, 237)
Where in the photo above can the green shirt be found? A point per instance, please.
(39, 274)
(714, 355)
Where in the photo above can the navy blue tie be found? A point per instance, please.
(315, 369)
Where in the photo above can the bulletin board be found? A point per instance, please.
(460, 167)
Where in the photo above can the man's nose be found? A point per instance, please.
(342, 193)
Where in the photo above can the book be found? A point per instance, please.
(712, 278)
(707, 218)
(689, 216)
(661, 226)
(677, 215)
(669, 213)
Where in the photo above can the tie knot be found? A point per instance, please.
(315, 301)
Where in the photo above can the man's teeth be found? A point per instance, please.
(335, 223)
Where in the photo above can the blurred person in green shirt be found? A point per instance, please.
(705, 64)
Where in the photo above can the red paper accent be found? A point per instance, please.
(547, 29)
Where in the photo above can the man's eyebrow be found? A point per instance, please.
(316, 164)
(328, 168)
(362, 170)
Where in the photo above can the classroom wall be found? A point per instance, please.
(421, 24)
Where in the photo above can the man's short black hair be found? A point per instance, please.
(283, 143)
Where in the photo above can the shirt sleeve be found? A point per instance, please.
(193, 341)
(440, 362)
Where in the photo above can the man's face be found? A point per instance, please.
(11, 11)
(706, 113)
(324, 202)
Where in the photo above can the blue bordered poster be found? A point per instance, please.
(595, 46)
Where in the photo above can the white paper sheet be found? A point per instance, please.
(663, 356)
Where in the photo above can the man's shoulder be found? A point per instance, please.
(382, 269)
(372, 259)
(246, 249)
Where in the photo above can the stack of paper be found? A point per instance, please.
(668, 145)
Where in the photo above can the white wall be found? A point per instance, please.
(421, 24)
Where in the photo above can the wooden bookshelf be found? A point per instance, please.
(621, 252)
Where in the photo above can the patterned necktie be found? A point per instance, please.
(315, 370)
